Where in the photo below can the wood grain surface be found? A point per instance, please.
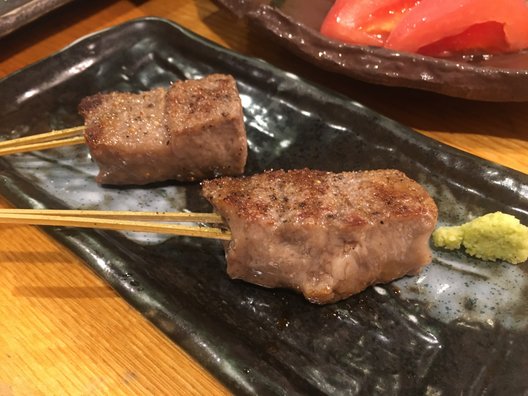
(62, 329)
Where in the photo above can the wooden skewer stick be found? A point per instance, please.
(43, 141)
(43, 137)
(42, 146)
(114, 224)
(180, 217)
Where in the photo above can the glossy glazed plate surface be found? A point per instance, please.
(17, 13)
(458, 328)
(295, 25)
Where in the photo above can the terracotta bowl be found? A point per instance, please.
(502, 78)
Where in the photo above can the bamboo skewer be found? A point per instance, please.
(42, 146)
(113, 220)
(121, 214)
(43, 141)
(109, 220)
(44, 137)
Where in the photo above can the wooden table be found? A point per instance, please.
(62, 329)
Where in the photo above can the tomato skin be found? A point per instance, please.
(433, 20)
(488, 37)
(365, 22)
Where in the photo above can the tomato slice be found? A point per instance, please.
(434, 26)
(365, 22)
(488, 37)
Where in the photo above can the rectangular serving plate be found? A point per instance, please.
(400, 338)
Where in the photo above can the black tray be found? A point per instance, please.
(459, 328)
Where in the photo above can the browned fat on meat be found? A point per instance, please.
(326, 235)
(191, 131)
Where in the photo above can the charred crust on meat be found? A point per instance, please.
(88, 104)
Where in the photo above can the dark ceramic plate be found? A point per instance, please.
(458, 328)
(295, 24)
(17, 13)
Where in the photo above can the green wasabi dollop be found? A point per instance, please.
(495, 236)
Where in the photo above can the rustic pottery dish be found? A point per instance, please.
(17, 13)
(460, 328)
(295, 24)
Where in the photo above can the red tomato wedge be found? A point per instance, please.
(457, 25)
(364, 22)
(488, 37)
(431, 27)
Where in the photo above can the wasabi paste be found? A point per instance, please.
(495, 236)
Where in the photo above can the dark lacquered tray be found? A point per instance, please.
(295, 24)
(17, 13)
(459, 328)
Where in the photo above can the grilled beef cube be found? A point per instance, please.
(206, 127)
(326, 235)
(191, 131)
(127, 137)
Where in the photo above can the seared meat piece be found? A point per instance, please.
(206, 127)
(193, 130)
(326, 235)
(127, 137)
